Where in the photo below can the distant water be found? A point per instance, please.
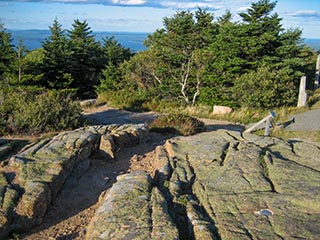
(32, 39)
(313, 43)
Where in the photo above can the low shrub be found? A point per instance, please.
(177, 124)
(314, 99)
(124, 99)
(34, 112)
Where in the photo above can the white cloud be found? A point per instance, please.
(304, 13)
(190, 5)
(129, 2)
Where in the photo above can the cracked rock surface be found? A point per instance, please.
(132, 210)
(214, 185)
(237, 175)
(31, 180)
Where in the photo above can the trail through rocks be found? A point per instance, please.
(76, 204)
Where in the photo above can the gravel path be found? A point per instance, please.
(307, 121)
(108, 115)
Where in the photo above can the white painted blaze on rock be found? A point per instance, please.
(220, 110)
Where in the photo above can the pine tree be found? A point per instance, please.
(7, 53)
(56, 59)
(86, 62)
(113, 52)
(177, 49)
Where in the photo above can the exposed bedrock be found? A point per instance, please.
(250, 187)
(132, 209)
(213, 185)
(31, 180)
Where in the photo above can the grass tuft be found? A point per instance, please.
(177, 124)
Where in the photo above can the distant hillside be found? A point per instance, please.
(32, 39)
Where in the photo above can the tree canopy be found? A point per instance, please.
(201, 59)
(194, 58)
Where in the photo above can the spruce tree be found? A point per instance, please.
(86, 60)
(114, 52)
(7, 53)
(56, 59)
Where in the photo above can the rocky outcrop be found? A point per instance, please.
(213, 185)
(132, 210)
(31, 180)
(217, 185)
(247, 187)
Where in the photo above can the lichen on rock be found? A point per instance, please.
(41, 169)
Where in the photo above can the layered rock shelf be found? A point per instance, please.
(249, 187)
(133, 209)
(31, 180)
(213, 185)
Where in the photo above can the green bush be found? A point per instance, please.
(314, 99)
(34, 112)
(266, 89)
(177, 124)
(126, 99)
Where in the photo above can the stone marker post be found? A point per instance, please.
(302, 101)
(317, 79)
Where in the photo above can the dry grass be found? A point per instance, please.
(312, 136)
(177, 124)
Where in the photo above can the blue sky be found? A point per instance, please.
(143, 15)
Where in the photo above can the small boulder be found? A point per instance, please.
(220, 110)
(107, 147)
(88, 103)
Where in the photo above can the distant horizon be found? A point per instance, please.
(132, 40)
(98, 31)
(111, 31)
(33, 38)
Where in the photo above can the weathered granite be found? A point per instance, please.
(31, 180)
(163, 226)
(131, 210)
(214, 185)
(237, 175)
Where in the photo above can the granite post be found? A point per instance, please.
(302, 100)
(317, 79)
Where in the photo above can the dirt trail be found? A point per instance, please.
(78, 200)
(68, 217)
(107, 115)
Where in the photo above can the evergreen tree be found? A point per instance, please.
(56, 59)
(257, 43)
(114, 56)
(176, 50)
(7, 53)
(86, 60)
(114, 52)
(262, 31)
(32, 68)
